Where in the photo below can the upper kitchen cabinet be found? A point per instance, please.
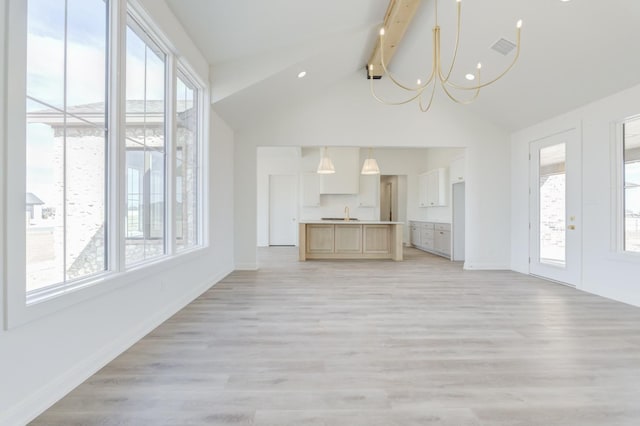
(346, 179)
(432, 187)
(456, 170)
(369, 191)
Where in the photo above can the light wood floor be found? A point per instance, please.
(374, 343)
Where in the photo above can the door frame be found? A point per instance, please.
(571, 274)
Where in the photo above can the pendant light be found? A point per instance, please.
(370, 166)
(325, 166)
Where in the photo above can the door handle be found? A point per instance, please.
(572, 227)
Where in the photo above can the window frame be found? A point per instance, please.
(21, 307)
(618, 198)
(184, 72)
(621, 166)
(66, 283)
(148, 36)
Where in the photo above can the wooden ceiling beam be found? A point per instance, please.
(396, 21)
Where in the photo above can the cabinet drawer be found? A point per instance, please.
(442, 227)
(426, 234)
(427, 226)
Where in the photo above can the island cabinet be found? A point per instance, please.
(319, 238)
(377, 239)
(350, 240)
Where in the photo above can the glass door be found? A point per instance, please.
(555, 200)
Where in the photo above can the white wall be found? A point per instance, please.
(346, 115)
(604, 270)
(44, 359)
(272, 161)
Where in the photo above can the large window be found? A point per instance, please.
(145, 146)
(631, 175)
(187, 170)
(98, 163)
(66, 140)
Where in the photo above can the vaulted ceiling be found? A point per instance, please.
(572, 52)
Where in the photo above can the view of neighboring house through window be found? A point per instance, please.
(65, 141)
(553, 197)
(631, 132)
(187, 170)
(145, 146)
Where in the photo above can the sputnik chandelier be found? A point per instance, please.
(423, 87)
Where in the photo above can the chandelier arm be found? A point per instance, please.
(480, 86)
(394, 80)
(455, 50)
(462, 101)
(423, 109)
(382, 101)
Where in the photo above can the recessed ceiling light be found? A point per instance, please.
(565, 1)
(470, 77)
(302, 74)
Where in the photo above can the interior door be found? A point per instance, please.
(283, 210)
(555, 234)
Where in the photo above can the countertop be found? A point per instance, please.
(351, 222)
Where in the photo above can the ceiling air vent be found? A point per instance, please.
(503, 46)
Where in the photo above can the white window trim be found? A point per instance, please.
(116, 275)
(617, 194)
(169, 105)
(3, 157)
(199, 89)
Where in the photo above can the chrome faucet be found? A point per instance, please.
(346, 213)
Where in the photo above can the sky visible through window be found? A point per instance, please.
(86, 68)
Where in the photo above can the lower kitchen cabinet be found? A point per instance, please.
(377, 239)
(319, 238)
(442, 239)
(348, 239)
(431, 237)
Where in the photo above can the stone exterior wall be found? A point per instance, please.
(84, 225)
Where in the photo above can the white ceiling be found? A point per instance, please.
(572, 52)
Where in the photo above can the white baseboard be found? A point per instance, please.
(35, 404)
(475, 266)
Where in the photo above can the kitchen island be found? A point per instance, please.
(350, 239)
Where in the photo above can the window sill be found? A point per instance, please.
(42, 305)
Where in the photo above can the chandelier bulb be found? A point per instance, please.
(382, 31)
(419, 82)
(479, 65)
(519, 24)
